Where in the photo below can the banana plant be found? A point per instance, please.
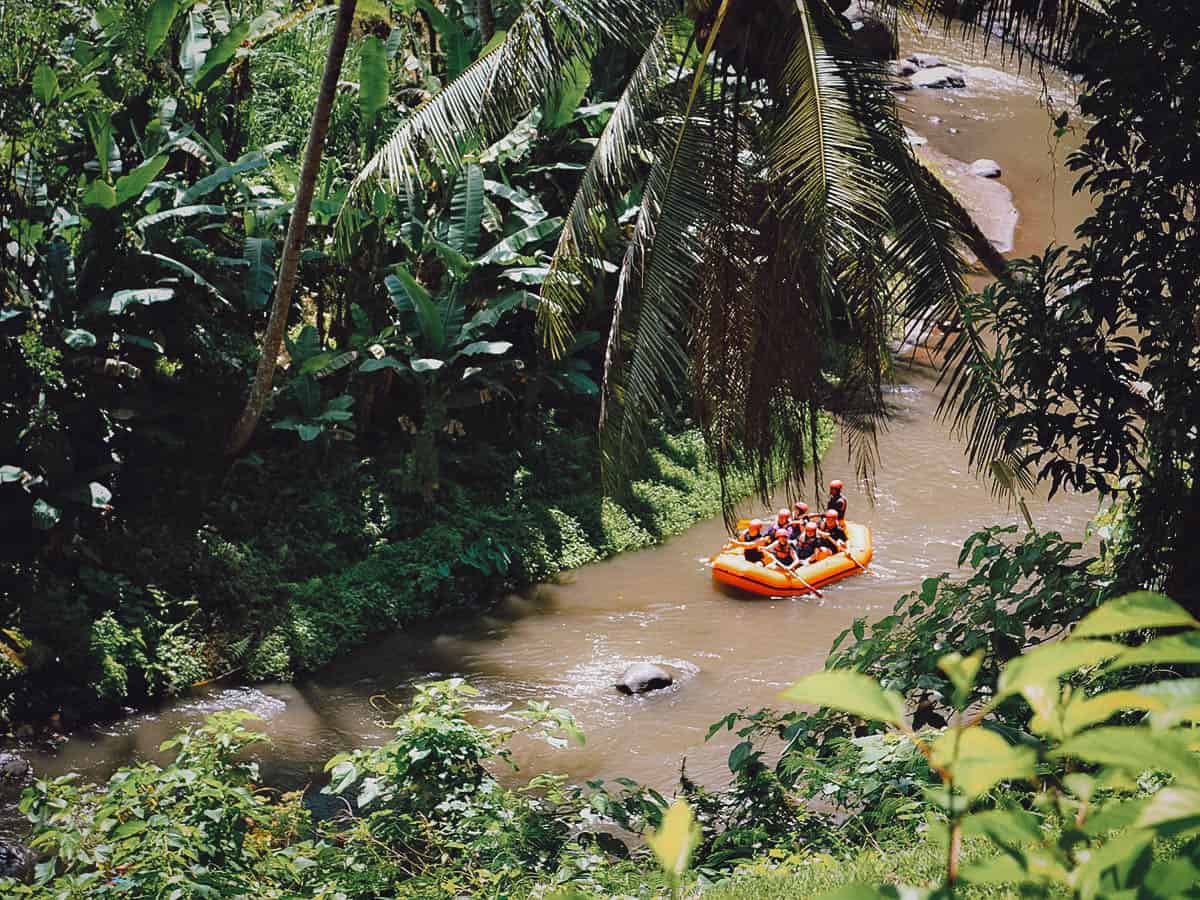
(442, 343)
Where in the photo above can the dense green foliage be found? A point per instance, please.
(423, 453)
(1092, 383)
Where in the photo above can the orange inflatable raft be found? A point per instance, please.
(732, 568)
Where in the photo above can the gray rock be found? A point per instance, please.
(641, 678)
(902, 68)
(13, 767)
(985, 168)
(939, 77)
(16, 861)
(924, 61)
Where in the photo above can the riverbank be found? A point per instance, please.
(279, 578)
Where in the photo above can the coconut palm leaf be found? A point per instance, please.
(503, 84)
(616, 163)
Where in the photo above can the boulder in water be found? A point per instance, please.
(641, 678)
(939, 77)
(13, 767)
(985, 168)
(902, 68)
(924, 61)
(16, 861)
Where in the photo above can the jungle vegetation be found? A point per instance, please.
(289, 291)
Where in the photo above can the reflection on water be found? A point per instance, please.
(568, 643)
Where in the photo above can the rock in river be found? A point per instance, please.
(13, 767)
(985, 168)
(939, 77)
(641, 678)
(16, 861)
(924, 61)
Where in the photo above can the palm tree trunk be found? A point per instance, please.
(487, 19)
(260, 390)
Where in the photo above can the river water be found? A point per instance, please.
(567, 643)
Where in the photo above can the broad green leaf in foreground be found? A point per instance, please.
(978, 759)
(674, 840)
(1135, 750)
(1132, 612)
(1050, 661)
(850, 692)
(1175, 648)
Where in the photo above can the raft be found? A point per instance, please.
(731, 568)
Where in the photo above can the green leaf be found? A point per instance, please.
(1082, 712)
(224, 174)
(507, 251)
(178, 212)
(131, 186)
(12, 474)
(220, 56)
(429, 318)
(95, 495)
(1009, 827)
(527, 206)
(259, 279)
(466, 212)
(121, 300)
(851, 692)
(45, 84)
(129, 829)
(372, 80)
(158, 24)
(308, 432)
(1050, 661)
(454, 41)
(79, 339)
(961, 670)
(427, 365)
(490, 348)
(979, 759)
(1175, 648)
(386, 362)
(1134, 612)
(196, 43)
(1120, 852)
(675, 839)
(45, 516)
(1135, 750)
(100, 194)
(559, 108)
(1176, 807)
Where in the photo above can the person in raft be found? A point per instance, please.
(799, 516)
(814, 546)
(783, 522)
(834, 530)
(752, 539)
(782, 553)
(836, 501)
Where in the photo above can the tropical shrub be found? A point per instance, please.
(1103, 791)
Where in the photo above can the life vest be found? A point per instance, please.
(838, 505)
(785, 555)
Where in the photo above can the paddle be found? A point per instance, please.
(791, 574)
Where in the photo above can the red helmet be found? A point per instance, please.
(831, 514)
(801, 507)
(810, 526)
(836, 485)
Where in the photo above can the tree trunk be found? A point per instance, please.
(260, 390)
(487, 20)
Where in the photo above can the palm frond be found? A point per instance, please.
(616, 162)
(502, 85)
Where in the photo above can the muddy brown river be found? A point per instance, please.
(566, 643)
